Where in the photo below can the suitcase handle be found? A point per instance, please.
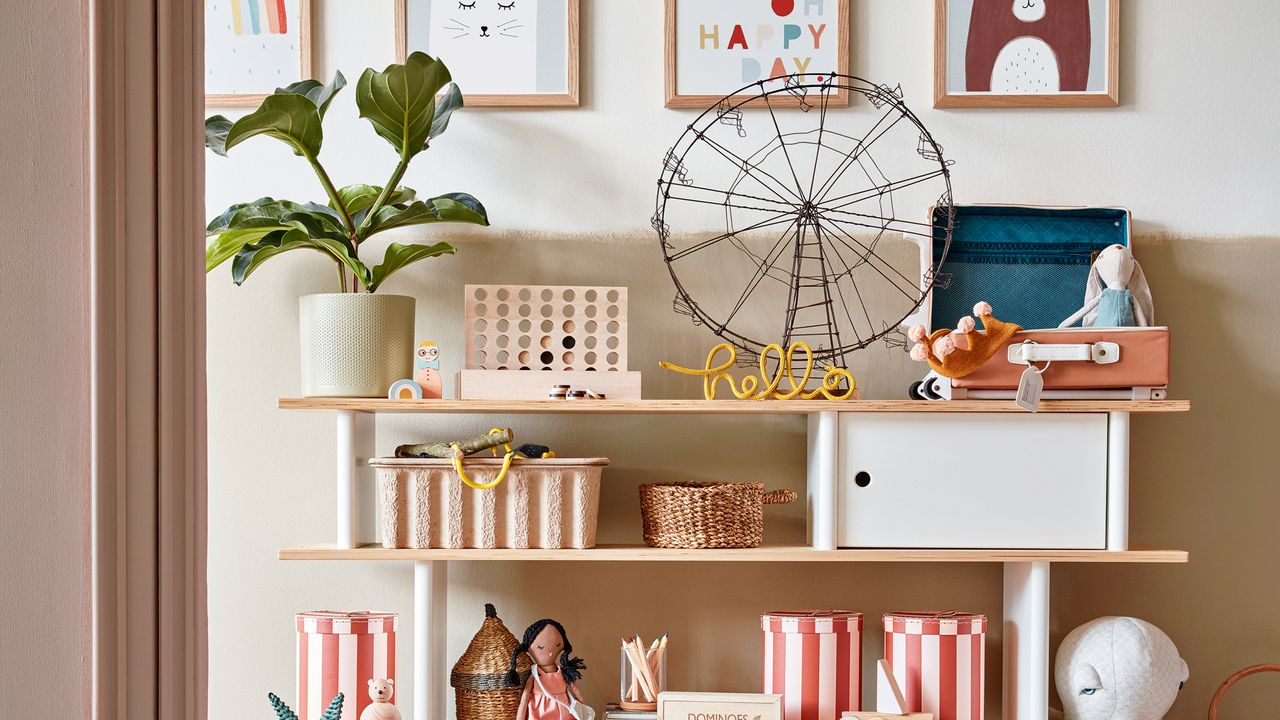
(1028, 351)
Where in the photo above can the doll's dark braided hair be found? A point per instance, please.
(570, 667)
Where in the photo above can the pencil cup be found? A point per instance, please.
(639, 689)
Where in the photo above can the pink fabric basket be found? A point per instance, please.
(813, 658)
(938, 660)
(340, 652)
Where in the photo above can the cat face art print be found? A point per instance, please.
(490, 45)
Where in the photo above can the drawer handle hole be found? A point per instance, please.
(862, 479)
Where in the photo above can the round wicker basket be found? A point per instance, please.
(478, 678)
(706, 515)
(1227, 684)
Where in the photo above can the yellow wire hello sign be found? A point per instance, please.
(751, 388)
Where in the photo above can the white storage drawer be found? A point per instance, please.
(972, 480)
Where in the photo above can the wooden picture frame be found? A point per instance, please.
(673, 99)
(567, 99)
(305, 60)
(945, 96)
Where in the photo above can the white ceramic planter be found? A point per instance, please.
(354, 344)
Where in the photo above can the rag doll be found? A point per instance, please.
(380, 692)
(1118, 668)
(1116, 294)
(552, 692)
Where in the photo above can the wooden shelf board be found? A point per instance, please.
(719, 407)
(767, 553)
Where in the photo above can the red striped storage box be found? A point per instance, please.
(813, 658)
(938, 661)
(340, 652)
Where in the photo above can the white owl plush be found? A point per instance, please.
(1118, 668)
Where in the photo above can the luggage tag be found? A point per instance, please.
(1030, 385)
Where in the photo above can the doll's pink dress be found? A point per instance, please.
(552, 704)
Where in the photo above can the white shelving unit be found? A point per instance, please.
(1026, 572)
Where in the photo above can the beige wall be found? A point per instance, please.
(570, 194)
(44, 434)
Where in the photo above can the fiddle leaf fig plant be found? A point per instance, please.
(409, 105)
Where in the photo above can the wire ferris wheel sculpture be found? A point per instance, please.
(807, 201)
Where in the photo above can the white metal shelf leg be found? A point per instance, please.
(355, 443)
(1118, 481)
(1026, 641)
(822, 479)
(430, 637)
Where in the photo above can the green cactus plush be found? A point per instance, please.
(334, 711)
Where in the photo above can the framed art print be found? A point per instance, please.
(1026, 53)
(253, 47)
(501, 53)
(716, 47)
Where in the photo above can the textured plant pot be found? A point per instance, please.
(354, 344)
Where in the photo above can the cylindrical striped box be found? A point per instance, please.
(938, 660)
(813, 658)
(340, 652)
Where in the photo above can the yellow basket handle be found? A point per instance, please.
(502, 474)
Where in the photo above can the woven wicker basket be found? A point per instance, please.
(706, 515)
(1231, 681)
(478, 678)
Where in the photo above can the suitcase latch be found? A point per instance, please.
(1027, 352)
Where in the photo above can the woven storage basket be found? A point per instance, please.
(1237, 677)
(706, 515)
(479, 677)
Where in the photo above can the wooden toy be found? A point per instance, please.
(284, 712)
(405, 389)
(426, 370)
(380, 692)
(699, 705)
(551, 692)
(522, 339)
(371, 638)
(773, 389)
(800, 647)
(877, 715)
(889, 697)
(457, 448)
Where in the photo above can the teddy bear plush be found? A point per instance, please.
(380, 692)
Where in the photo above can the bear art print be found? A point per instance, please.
(1028, 46)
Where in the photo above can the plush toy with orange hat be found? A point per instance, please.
(956, 353)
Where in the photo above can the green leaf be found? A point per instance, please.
(400, 101)
(223, 221)
(399, 255)
(226, 245)
(215, 134)
(315, 91)
(292, 119)
(460, 207)
(251, 257)
(452, 207)
(361, 197)
(278, 212)
(449, 101)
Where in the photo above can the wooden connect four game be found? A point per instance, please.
(522, 339)
(529, 327)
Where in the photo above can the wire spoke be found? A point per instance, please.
(769, 222)
(746, 167)
(878, 190)
(790, 165)
(822, 124)
(852, 156)
(868, 254)
(731, 193)
(883, 227)
(817, 229)
(763, 270)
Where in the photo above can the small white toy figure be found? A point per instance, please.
(1116, 294)
(1118, 668)
(380, 692)
(426, 370)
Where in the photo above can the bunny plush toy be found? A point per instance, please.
(1116, 294)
